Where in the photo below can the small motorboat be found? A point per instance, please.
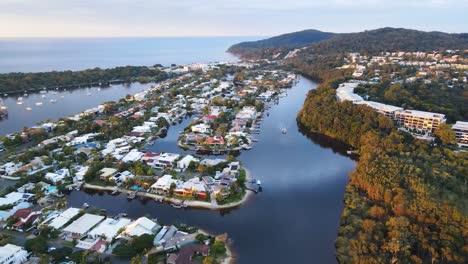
(53, 100)
(28, 108)
(86, 205)
(284, 131)
(39, 103)
(178, 206)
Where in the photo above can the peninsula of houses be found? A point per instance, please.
(114, 148)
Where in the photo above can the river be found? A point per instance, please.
(294, 219)
(69, 102)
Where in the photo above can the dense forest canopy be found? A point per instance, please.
(406, 200)
(15, 82)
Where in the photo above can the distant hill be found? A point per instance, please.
(290, 40)
(390, 39)
(371, 41)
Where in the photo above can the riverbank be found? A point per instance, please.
(190, 204)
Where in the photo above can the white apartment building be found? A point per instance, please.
(420, 120)
(461, 132)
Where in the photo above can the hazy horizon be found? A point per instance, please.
(223, 18)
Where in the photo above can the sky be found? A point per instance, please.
(169, 18)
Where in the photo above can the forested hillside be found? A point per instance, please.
(290, 40)
(367, 42)
(406, 200)
(15, 82)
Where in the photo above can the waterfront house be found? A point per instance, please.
(109, 228)
(106, 173)
(192, 187)
(141, 226)
(82, 225)
(63, 218)
(201, 128)
(165, 160)
(80, 172)
(122, 177)
(163, 184)
(186, 253)
(216, 140)
(58, 176)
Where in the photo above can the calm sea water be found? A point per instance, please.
(37, 55)
(294, 219)
(34, 55)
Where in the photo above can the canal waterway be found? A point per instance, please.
(294, 219)
(37, 107)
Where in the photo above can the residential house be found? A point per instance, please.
(12, 254)
(185, 162)
(109, 228)
(25, 218)
(165, 160)
(106, 173)
(58, 176)
(82, 225)
(163, 184)
(141, 226)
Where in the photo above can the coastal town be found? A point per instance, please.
(111, 148)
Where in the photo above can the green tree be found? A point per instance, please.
(445, 134)
(37, 245)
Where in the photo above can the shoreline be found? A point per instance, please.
(190, 204)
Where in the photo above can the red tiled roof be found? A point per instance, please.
(22, 213)
(98, 245)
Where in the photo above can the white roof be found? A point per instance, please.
(170, 157)
(107, 172)
(164, 182)
(83, 224)
(186, 160)
(423, 114)
(460, 125)
(109, 228)
(141, 226)
(9, 250)
(64, 217)
(133, 156)
(380, 106)
(14, 198)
